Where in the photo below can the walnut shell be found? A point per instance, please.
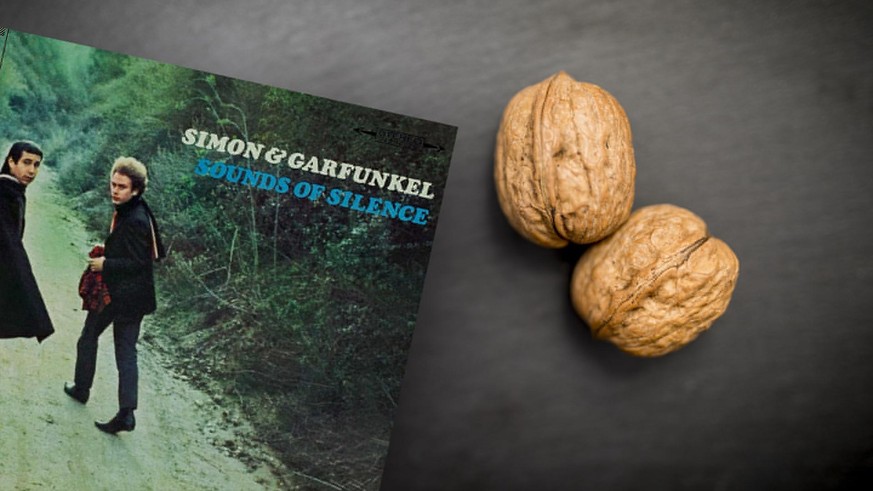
(656, 283)
(564, 163)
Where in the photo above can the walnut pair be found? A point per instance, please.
(564, 170)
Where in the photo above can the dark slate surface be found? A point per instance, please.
(757, 115)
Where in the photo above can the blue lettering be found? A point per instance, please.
(282, 185)
(251, 178)
(373, 205)
(406, 213)
(230, 174)
(420, 216)
(268, 182)
(390, 209)
(317, 191)
(334, 197)
(218, 170)
(302, 189)
(202, 167)
(357, 206)
(346, 197)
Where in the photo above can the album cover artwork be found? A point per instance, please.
(206, 283)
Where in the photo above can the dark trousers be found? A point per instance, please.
(125, 329)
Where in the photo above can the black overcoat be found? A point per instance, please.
(22, 309)
(129, 266)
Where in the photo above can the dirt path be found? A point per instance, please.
(48, 441)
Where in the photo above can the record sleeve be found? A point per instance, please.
(297, 231)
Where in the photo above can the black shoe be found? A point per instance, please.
(76, 393)
(123, 421)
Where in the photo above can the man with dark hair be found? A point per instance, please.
(127, 270)
(22, 309)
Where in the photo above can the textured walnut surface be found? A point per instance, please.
(564, 162)
(656, 283)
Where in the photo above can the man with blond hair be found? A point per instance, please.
(126, 266)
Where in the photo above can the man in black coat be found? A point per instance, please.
(22, 309)
(127, 269)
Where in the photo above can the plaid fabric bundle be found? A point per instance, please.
(92, 289)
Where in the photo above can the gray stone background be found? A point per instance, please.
(756, 115)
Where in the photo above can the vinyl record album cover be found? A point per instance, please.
(285, 237)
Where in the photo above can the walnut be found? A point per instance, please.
(656, 283)
(564, 163)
